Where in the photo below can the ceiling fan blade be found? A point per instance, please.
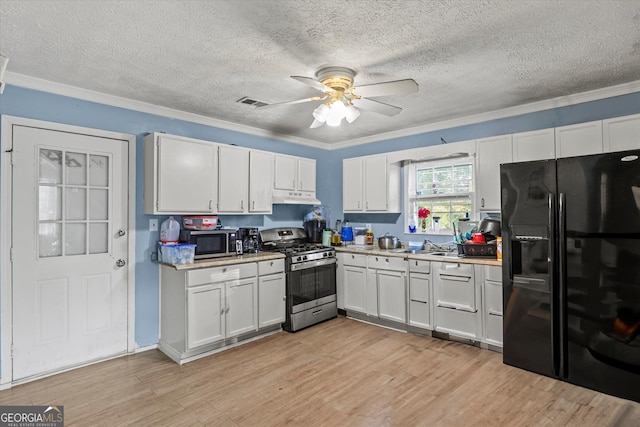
(298, 101)
(397, 87)
(376, 106)
(313, 83)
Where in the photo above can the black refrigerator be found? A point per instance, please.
(571, 269)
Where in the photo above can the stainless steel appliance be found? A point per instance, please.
(210, 243)
(571, 270)
(310, 277)
(248, 236)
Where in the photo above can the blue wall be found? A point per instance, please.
(33, 104)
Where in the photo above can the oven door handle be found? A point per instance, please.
(312, 264)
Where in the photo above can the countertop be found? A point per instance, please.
(398, 253)
(228, 260)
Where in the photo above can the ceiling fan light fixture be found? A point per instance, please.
(316, 124)
(334, 120)
(352, 113)
(321, 113)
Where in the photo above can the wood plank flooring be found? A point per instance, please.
(338, 373)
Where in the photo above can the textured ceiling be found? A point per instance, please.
(200, 57)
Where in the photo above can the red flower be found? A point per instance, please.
(423, 213)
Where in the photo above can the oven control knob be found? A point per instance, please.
(299, 259)
(324, 254)
(304, 257)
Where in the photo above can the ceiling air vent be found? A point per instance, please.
(249, 101)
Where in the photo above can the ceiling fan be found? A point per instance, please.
(341, 97)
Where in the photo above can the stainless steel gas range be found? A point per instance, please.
(310, 276)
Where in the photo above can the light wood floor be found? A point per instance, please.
(337, 373)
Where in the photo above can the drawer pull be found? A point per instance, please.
(494, 312)
(458, 307)
(455, 278)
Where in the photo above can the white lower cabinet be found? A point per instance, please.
(456, 299)
(205, 315)
(207, 308)
(492, 304)
(387, 295)
(354, 280)
(271, 293)
(419, 298)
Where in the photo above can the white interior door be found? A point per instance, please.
(69, 231)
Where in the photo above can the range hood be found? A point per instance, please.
(287, 197)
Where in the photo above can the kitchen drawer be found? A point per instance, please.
(355, 260)
(459, 323)
(493, 293)
(419, 287)
(454, 268)
(419, 265)
(493, 273)
(455, 288)
(271, 267)
(494, 330)
(221, 274)
(378, 262)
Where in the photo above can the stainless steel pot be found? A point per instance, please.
(388, 242)
(490, 226)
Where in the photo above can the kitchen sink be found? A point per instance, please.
(423, 252)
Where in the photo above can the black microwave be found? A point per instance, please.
(210, 243)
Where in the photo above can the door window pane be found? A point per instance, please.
(98, 238)
(99, 171)
(76, 204)
(49, 203)
(75, 168)
(50, 170)
(50, 240)
(99, 204)
(75, 239)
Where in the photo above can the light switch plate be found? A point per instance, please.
(153, 225)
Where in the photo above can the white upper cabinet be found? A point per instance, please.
(260, 182)
(286, 171)
(579, 140)
(352, 184)
(534, 145)
(307, 175)
(294, 173)
(233, 176)
(491, 152)
(376, 175)
(180, 175)
(621, 133)
(371, 184)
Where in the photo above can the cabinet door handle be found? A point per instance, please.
(241, 204)
(253, 205)
(367, 204)
(210, 204)
(482, 202)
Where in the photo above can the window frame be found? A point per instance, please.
(412, 198)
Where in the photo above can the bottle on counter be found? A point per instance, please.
(326, 237)
(369, 237)
(169, 231)
(499, 247)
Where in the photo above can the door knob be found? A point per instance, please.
(121, 263)
(122, 232)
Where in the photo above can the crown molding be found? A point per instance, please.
(34, 83)
(28, 82)
(534, 107)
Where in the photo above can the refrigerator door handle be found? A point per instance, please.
(562, 282)
(555, 338)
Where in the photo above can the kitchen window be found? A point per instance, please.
(444, 188)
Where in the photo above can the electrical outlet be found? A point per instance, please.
(368, 226)
(153, 224)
